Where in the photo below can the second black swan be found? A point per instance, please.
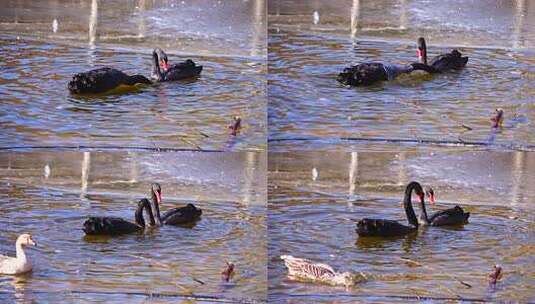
(162, 71)
(176, 216)
(451, 216)
(117, 225)
(443, 62)
(103, 80)
(385, 228)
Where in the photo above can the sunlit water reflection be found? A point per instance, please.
(168, 261)
(316, 219)
(37, 63)
(309, 109)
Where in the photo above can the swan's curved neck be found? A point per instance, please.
(139, 215)
(423, 216)
(155, 208)
(407, 203)
(156, 72)
(144, 205)
(134, 79)
(422, 51)
(423, 67)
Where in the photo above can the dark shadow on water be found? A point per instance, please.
(373, 242)
(189, 225)
(97, 238)
(122, 89)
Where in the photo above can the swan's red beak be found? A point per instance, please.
(421, 196)
(420, 54)
(432, 198)
(159, 197)
(164, 65)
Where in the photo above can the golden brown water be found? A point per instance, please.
(311, 42)
(316, 219)
(36, 63)
(315, 198)
(51, 194)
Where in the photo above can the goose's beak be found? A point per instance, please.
(31, 242)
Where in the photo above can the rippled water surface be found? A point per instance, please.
(309, 44)
(36, 63)
(51, 194)
(313, 215)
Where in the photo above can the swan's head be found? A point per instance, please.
(418, 190)
(26, 239)
(161, 58)
(430, 194)
(157, 192)
(422, 51)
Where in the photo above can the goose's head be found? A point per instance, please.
(347, 279)
(26, 239)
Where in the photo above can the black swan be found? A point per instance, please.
(371, 72)
(162, 71)
(103, 80)
(118, 226)
(443, 62)
(452, 216)
(176, 216)
(380, 227)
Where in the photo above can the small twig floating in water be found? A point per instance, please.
(161, 265)
(190, 143)
(496, 275)
(228, 272)
(235, 127)
(466, 127)
(198, 281)
(497, 119)
(149, 260)
(431, 268)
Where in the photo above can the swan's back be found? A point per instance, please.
(449, 61)
(109, 226)
(452, 216)
(363, 74)
(381, 227)
(182, 215)
(183, 70)
(96, 81)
